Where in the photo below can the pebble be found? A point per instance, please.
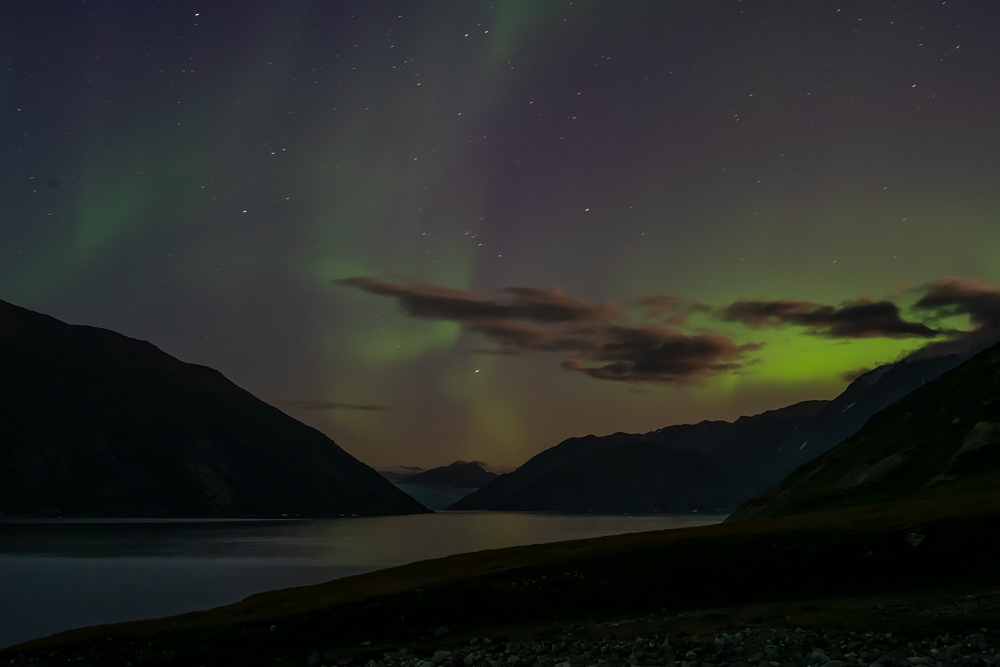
(752, 647)
(749, 647)
(818, 657)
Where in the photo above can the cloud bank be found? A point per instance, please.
(596, 339)
(599, 340)
(854, 319)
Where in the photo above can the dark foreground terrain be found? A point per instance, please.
(883, 550)
(906, 569)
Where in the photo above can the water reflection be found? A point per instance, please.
(60, 574)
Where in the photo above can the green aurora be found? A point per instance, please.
(220, 169)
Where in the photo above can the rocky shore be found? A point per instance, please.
(932, 632)
(750, 647)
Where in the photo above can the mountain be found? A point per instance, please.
(941, 441)
(93, 423)
(397, 473)
(459, 474)
(626, 472)
(732, 461)
(759, 467)
(634, 478)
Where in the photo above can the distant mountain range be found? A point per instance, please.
(96, 424)
(460, 474)
(396, 473)
(709, 466)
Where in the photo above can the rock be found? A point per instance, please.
(771, 651)
(469, 661)
(951, 653)
(817, 657)
(562, 664)
(919, 661)
(314, 659)
(690, 656)
(836, 663)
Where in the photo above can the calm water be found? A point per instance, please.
(62, 574)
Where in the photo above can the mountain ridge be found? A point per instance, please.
(460, 474)
(745, 456)
(946, 433)
(94, 423)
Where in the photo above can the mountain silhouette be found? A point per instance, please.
(96, 424)
(709, 466)
(460, 474)
(941, 441)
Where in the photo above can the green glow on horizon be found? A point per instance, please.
(796, 358)
(495, 424)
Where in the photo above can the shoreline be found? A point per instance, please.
(831, 569)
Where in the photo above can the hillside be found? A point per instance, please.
(670, 469)
(942, 438)
(732, 461)
(93, 423)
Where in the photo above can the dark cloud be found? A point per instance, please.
(962, 296)
(519, 338)
(332, 405)
(595, 338)
(950, 297)
(853, 319)
(531, 304)
(670, 309)
(657, 354)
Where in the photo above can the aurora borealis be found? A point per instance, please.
(468, 230)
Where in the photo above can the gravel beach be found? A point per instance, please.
(752, 647)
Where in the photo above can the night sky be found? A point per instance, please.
(468, 230)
